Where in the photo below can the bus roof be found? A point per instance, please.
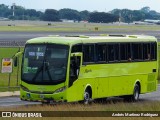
(71, 40)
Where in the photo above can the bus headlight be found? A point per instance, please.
(24, 88)
(60, 89)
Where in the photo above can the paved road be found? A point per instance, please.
(15, 101)
(152, 96)
(23, 36)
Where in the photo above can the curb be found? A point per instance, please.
(8, 94)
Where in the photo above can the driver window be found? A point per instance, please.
(74, 69)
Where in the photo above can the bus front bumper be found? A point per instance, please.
(28, 96)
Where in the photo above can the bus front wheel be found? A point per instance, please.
(87, 96)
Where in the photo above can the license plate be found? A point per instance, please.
(41, 96)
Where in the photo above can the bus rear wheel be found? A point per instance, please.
(135, 96)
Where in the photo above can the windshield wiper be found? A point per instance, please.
(43, 68)
(37, 73)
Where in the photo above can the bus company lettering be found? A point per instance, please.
(87, 71)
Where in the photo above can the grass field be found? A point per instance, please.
(107, 106)
(72, 27)
(4, 77)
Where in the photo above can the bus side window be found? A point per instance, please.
(137, 51)
(113, 52)
(110, 52)
(77, 48)
(123, 52)
(146, 51)
(88, 51)
(153, 51)
(101, 52)
(129, 52)
(116, 53)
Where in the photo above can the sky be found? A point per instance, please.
(90, 5)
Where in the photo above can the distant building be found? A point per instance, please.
(84, 21)
(152, 21)
(65, 20)
(4, 19)
(147, 22)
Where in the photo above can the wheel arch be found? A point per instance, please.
(89, 88)
(139, 84)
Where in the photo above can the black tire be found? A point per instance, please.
(135, 96)
(87, 97)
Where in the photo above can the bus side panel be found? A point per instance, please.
(114, 79)
(151, 82)
(102, 87)
(76, 91)
(119, 85)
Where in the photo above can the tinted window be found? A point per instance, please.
(125, 52)
(146, 51)
(88, 51)
(113, 52)
(137, 51)
(153, 51)
(101, 52)
(77, 48)
(45, 64)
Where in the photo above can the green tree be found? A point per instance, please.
(51, 15)
(138, 15)
(69, 14)
(127, 15)
(19, 10)
(4, 11)
(145, 9)
(102, 17)
(84, 15)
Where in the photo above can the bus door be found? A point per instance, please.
(74, 69)
(75, 88)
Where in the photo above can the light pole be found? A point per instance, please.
(13, 8)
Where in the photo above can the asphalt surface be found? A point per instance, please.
(155, 96)
(23, 36)
(15, 101)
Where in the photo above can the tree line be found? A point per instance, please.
(124, 15)
(127, 15)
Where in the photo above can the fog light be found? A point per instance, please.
(28, 95)
(60, 89)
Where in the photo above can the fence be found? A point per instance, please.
(10, 81)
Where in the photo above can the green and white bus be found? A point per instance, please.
(82, 68)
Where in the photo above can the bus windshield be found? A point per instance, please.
(45, 64)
